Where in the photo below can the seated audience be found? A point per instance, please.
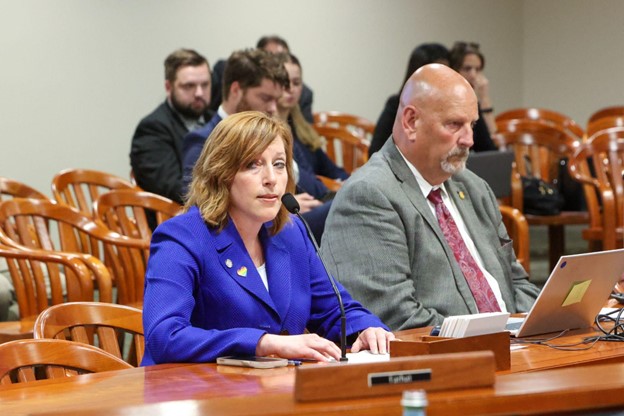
(412, 234)
(427, 53)
(272, 44)
(307, 150)
(467, 59)
(156, 151)
(255, 80)
(236, 274)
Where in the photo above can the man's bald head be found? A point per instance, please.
(435, 116)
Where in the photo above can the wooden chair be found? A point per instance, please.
(604, 194)
(518, 229)
(538, 147)
(124, 211)
(43, 278)
(32, 359)
(357, 125)
(69, 230)
(10, 188)
(104, 325)
(544, 115)
(80, 188)
(616, 110)
(343, 147)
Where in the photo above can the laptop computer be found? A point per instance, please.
(574, 294)
(494, 167)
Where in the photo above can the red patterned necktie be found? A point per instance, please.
(479, 286)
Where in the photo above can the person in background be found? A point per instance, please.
(412, 234)
(467, 59)
(236, 274)
(156, 150)
(272, 44)
(426, 53)
(255, 80)
(307, 150)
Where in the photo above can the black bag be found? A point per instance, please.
(540, 198)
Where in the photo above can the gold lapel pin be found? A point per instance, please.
(461, 195)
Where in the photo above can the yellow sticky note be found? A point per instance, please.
(576, 293)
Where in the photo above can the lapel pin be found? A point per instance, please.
(242, 271)
(461, 195)
(228, 263)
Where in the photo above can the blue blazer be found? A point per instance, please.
(204, 298)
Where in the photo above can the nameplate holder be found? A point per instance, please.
(497, 342)
(315, 382)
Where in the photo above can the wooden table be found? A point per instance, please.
(197, 389)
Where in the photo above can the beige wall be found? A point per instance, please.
(77, 75)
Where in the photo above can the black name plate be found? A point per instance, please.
(399, 377)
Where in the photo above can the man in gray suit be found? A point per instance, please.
(383, 240)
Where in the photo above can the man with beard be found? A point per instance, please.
(254, 80)
(156, 151)
(413, 235)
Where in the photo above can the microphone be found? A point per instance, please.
(292, 206)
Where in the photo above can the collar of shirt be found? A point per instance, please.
(425, 187)
(222, 113)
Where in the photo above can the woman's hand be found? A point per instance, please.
(307, 202)
(377, 340)
(308, 346)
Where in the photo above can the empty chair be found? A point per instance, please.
(69, 230)
(357, 125)
(548, 116)
(538, 149)
(604, 150)
(343, 147)
(124, 211)
(104, 325)
(79, 188)
(43, 278)
(32, 359)
(616, 110)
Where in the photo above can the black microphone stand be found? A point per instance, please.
(343, 316)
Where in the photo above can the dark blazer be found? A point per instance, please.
(192, 146)
(384, 244)
(156, 153)
(204, 297)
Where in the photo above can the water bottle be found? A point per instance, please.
(414, 403)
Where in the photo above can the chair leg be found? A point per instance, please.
(556, 244)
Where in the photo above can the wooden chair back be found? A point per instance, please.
(104, 325)
(604, 151)
(43, 278)
(10, 188)
(616, 110)
(80, 188)
(69, 230)
(124, 211)
(544, 115)
(538, 149)
(34, 359)
(357, 125)
(518, 229)
(343, 147)
(604, 123)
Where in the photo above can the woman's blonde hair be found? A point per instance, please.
(233, 144)
(305, 132)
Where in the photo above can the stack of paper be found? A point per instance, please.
(470, 325)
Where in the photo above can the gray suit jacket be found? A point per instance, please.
(384, 244)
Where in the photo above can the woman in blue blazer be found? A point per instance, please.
(236, 274)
